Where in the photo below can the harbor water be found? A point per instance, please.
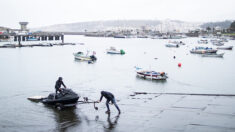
(33, 71)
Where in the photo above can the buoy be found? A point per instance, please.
(179, 64)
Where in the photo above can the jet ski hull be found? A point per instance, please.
(59, 101)
(67, 96)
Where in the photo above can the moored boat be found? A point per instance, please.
(218, 43)
(202, 41)
(172, 45)
(203, 50)
(213, 55)
(82, 57)
(152, 75)
(223, 39)
(177, 42)
(225, 48)
(113, 50)
(8, 46)
(32, 39)
(119, 36)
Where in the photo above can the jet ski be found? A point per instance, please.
(66, 97)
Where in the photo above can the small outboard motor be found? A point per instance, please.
(93, 58)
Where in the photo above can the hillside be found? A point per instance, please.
(164, 26)
(222, 24)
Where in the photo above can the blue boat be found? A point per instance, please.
(32, 39)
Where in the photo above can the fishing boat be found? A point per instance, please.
(172, 45)
(153, 75)
(80, 56)
(149, 74)
(225, 48)
(213, 55)
(113, 50)
(203, 50)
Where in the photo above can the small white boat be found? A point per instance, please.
(80, 56)
(45, 44)
(155, 37)
(224, 39)
(232, 38)
(213, 55)
(152, 75)
(113, 50)
(177, 42)
(218, 43)
(202, 41)
(8, 46)
(172, 45)
(119, 36)
(215, 40)
(225, 48)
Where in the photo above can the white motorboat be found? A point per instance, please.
(213, 55)
(177, 42)
(82, 57)
(113, 50)
(225, 48)
(218, 43)
(202, 41)
(172, 45)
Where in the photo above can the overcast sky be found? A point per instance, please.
(48, 12)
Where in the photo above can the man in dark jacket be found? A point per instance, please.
(58, 84)
(110, 97)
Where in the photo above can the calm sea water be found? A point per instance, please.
(27, 72)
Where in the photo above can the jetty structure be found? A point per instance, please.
(23, 37)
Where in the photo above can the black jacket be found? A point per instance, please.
(107, 95)
(58, 84)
